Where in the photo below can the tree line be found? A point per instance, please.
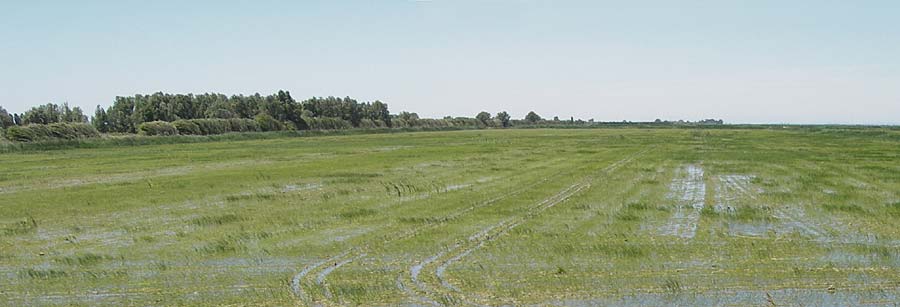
(126, 114)
(213, 113)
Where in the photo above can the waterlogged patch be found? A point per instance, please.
(688, 190)
(300, 187)
(454, 187)
(130, 177)
(730, 189)
(794, 219)
(740, 297)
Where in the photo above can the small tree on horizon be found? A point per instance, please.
(503, 118)
(6, 120)
(532, 117)
(484, 118)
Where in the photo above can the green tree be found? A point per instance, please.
(6, 120)
(503, 118)
(42, 114)
(484, 118)
(120, 115)
(532, 117)
(53, 113)
(101, 120)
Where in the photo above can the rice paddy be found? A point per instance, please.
(521, 217)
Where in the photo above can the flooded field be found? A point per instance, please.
(529, 217)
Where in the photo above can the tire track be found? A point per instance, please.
(355, 253)
(298, 278)
(320, 279)
(409, 233)
(490, 233)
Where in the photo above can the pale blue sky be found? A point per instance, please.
(804, 61)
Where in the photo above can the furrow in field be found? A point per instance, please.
(320, 279)
(491, 233)
(358, 252)
(412, 232)
(298, 278)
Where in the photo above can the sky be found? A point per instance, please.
(799, 61)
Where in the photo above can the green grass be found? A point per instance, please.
(577, 217)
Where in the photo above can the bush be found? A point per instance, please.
(369, 123)
(210, 126)
(187, 127)
(327, 123)
(38, 132)
(157, 128)
(266, 122)
(243, 125)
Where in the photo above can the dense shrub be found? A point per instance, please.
(37, 132)
(431, 123)
(368, 123)
(157, 128)
(187, 127)
(212, 126)
(243, 125)
(327, 123)
(266, 122)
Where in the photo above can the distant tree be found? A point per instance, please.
(503, 118)
(484, 118)
(6, 120)
(532, 117)
(17, 120)
(53, 113)
(379, 111)
(42, 114)
(73, 115)
(101, 120)
(556, 118)
(407, 116)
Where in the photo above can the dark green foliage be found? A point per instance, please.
(368, 123)
(211, 126)
(502, 118)
(532, 117)
(101, 120)
(327, 123)
(127, 113)
(266, 122)
(157, 128)
(52, 113)
(347, 109)
(6, 120)
(484, 118)
(243, 125)
(187, 127)
(35, 132)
